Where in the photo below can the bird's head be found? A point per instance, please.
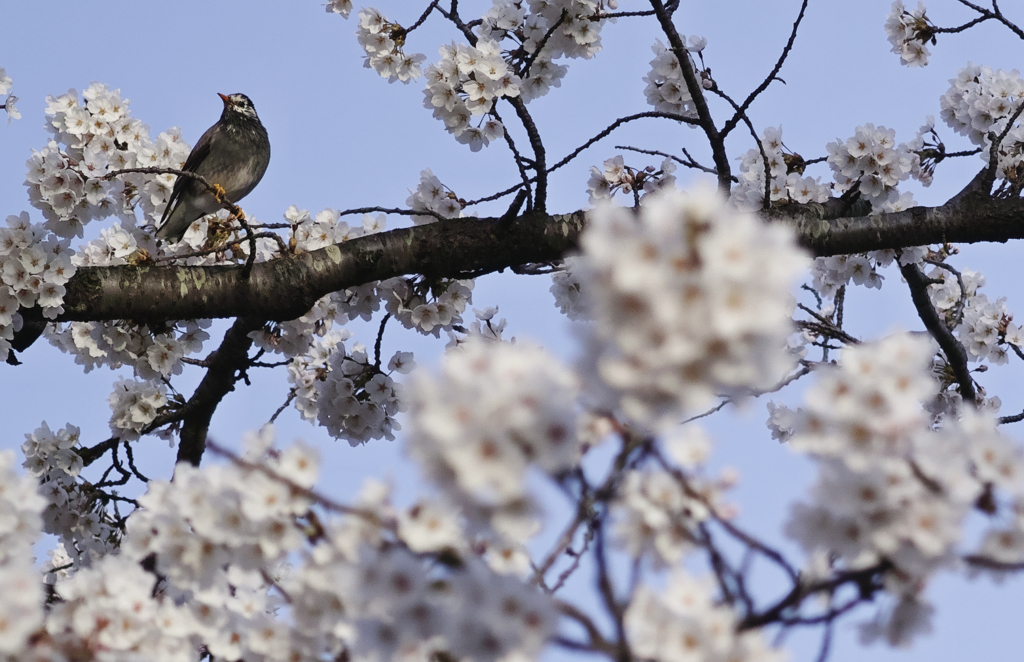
(238, 104)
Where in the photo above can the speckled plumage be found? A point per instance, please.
(233, 153)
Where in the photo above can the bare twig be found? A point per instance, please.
(742, 108)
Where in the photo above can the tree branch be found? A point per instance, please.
(285, 288)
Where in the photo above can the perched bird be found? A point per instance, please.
(233, 154)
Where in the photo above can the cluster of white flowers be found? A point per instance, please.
(110, 607)
(655, 515)
(464, 84)
(34, 267)
(428, 310)
(73, 514)
(666, 89)
(567, 288)
(21, 610)
(980, 101)
(873, 162)
(560, 28)
(831, 273)
(343, 7)
(890, 488)
(134, 405)
(909, 32)
(114, 344)
(326, 228)
(356, 401)
(471, 613)
(984, 327)
(786, 186)
(218, 538)
(617, 176)
(929, 149)
(91, 140)
(383, 40)
(432, 195)
(657, 511)
(485, 328)
(691, 298)
(467, 80)
(495, 411)
(10, 100)
(686, 623)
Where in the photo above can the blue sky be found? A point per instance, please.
(343, 138)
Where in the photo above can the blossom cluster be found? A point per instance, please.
(567, 288)
(65, 180)
(872, 162)
(431, 195)
(831, 273)
(984, 327)
(890, 489)
(691, 298)
(464, 84)
(10, 100)
(617, 176)
(685, 623)
(786, 183)
(34, 267)
(150, 354)
(469, 78)
(383, 40)
(909, 32)
(356, 400)
(495, 411)
(666, 89)
(73, 514)
(980, 102)
(21, 610)
(546, 32)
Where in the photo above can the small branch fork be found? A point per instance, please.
(986, 14)
(955, 353)
(216, 190)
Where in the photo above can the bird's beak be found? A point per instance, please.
(226, 99)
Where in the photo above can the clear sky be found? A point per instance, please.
(343, 138)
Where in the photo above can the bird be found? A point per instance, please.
(233, 154)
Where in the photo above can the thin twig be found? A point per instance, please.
(742, 109)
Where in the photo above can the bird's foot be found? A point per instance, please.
(219, 192)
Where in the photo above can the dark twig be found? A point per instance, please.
(955, 353)
(757, 141)
(288, 401)
(423, 17)
(995, 14)
(958, 310)
(979, 561)
(742, 108)
(576, 152)
(997, 141)
(540, 196)
(689, 161)
(520, 162)
(696, 90)
(131, 462)
(380, 339)
(525, 73)
(1015, 418)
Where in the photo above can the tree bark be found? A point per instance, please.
(285, 288)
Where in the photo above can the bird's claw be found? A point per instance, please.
(219, 192)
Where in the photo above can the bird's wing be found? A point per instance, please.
(195, 157)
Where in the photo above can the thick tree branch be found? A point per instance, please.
(286, 288)
(955, 353)
(230, 357)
